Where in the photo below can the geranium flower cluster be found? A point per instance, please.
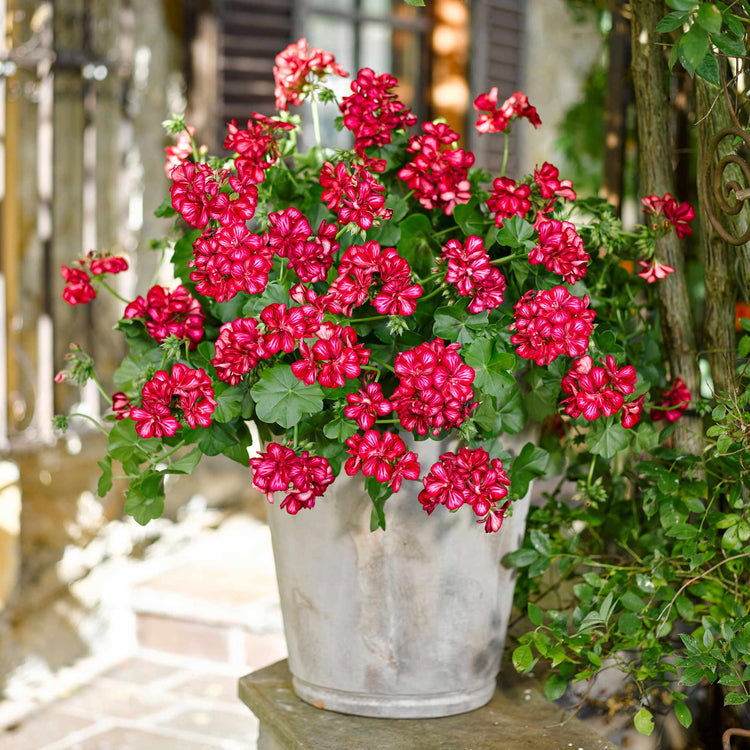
(230, 259)
(78, 287)
(366, 405)
(599, 391)
(295, 68)
(435, 388)
(302, 477)
(494, 119)
(542, 189)
(674, 402)
(550, 323)
(243, 342)
(438, 175)
(371, 272)
(183, 393)
(560, 249)
(257, 149)
(165, 313)
(355, 196)
(667, 213)
(334, 357)
(469, 269)
(468, 477)
(383, 456)
(198, 197)
(372, 112)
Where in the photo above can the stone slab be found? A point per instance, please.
(517, 718)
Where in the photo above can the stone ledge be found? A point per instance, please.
(517, 718)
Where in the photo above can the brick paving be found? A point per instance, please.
(195, 640)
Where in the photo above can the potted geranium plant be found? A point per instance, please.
(385, 312)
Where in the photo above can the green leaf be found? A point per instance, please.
(629, 623)
(145, 497)
(633, 602)
(490, 367)
(708, 70)
(709, 18)
(541, 400)
(523, 658)
(165, 210)
(682, 712)
(531, 462)
(682, 531)
(555, 687)
(685, 607)
(125, 444)
(105, 480)
(735, 699)
(607, 442)
(282, 399)
(535, 614)
(540, 542)
(415, 231)
(182, 255)
(694, 46)
(734, 23)
(522, 557)
(228, 439)
(470, 219)
(456, 324)
(185, 464)
(728, 45)
(683, 5)
(340, 429)
(644, 721)
(511, 411)
(515, 233)
(415, 3)
(228, 403)
(671, 21)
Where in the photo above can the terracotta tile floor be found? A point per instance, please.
(205, 618)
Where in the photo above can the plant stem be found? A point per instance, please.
(316, 120)
(505, 155)
(508, 258)
(665, 612)
(177, 447)
(383, 364)
(371, 319)
(90, 419)
(112, 291)
(433, 293)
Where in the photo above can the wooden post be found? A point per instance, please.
(678, 328)
(614, 109)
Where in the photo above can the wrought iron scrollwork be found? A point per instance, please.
(724, 193)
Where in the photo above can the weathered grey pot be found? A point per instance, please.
(406, 623)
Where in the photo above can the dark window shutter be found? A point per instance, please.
(498, 43)
(251, 34)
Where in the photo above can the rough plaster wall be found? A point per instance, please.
(559, 55)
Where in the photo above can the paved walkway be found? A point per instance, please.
(206, 615)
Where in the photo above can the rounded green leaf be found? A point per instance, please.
(644, 721)
(523, 658)
(283, 399)
(682, 712)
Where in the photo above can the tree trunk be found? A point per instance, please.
(678, 329)
(713, 115)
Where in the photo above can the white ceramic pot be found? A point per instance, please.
(406, 623)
